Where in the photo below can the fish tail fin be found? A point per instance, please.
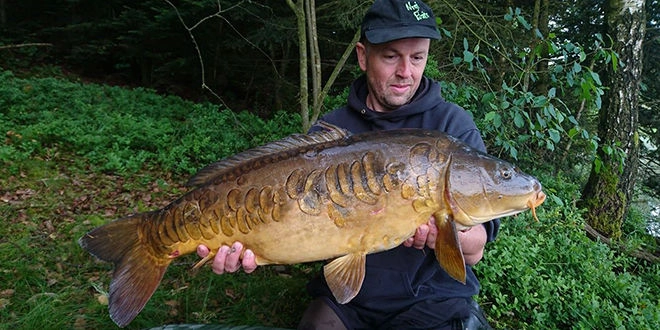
(137, 271)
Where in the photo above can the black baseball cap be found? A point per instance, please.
(389, 20)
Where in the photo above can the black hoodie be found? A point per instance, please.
(398, 278)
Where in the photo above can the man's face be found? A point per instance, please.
(394, 71)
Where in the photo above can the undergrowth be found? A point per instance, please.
(75, 156)
(550, 275)
(120, 130)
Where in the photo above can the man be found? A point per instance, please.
(404, 288)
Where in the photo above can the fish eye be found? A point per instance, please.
(506, 173)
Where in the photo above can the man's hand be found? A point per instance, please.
(472, 240)
(424, 236)
(229, 259)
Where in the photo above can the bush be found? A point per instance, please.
(550, 275)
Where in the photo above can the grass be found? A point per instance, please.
(60, 177)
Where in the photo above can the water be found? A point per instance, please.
(653, 225)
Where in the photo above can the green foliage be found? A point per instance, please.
(520, 120)
(123, 131)
(549, 275)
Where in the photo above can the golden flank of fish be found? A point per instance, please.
(325, 195)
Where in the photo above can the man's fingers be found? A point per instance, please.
(421, 234)
(229, 259)
(202, 251)
(409, 242)
(249, 262)
(219, 260)
(233, 261)
(433, 234)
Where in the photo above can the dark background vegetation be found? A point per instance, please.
(103, 114)
(250, 51)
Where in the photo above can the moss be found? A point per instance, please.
(606, 205)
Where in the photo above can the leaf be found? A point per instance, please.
(513, 152)
(556, 200)
(554, 135)
(446, 32)
(596, 78)
(523, 21)
(518, 120)
(541, 121)
(540, 101)
(468, 56)
(549, 145)
(538, 33)
(577, 67)
(495, 118)
(488, 97)
(509, 15)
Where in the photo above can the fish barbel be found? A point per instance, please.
(320, 196)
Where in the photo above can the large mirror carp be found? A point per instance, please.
(328, 195)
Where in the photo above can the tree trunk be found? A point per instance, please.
(299, 10)
(305, 11)
(315, 55)
(3, 13)
(610, 186)
(541, 22)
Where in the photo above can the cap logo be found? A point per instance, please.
(414, 8)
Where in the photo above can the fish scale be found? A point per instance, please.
(328, 195)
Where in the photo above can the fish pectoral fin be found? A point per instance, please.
(344, 276)
(448, 249)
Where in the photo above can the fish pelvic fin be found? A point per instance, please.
(448, 250)
(137, 271)
(345, 275)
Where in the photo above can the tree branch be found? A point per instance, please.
(33, 44)
(639, 253)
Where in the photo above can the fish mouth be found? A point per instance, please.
(535, 201)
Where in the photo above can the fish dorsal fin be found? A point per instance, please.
(248, 160)
(447, 247)
(345, 275)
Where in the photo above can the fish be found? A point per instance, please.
(328, 195)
